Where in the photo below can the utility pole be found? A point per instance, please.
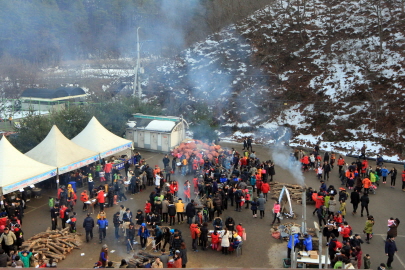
(137, 82)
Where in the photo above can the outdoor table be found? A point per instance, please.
(308, 260)
(92, 202)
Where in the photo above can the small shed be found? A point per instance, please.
(42, 99)
(160, 133)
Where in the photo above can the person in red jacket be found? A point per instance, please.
(265, 188)
(338, 217)
(174, 188)
(108, 170)
(63, 214)
(148, 207)
(214, 240)
(403, 180)
(305, 163)
(364, 166)
(195, 233)
(101, 199)
(319, 201)
(340, 163)
(345, 231)
(259, 183)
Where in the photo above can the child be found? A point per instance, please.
(17, 263)
(214, 240)
(72, 222)
(205, 213)
(319, 172)
(247, 198)
(391, 221)
(25, 258)
(367, 261)
(148, 207)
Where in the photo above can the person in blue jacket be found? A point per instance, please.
(294, 240)
(307, 242)
(253, 182)
(384, 174)
(143, 234)
(102, 224)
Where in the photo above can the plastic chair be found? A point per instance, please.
(239, 249)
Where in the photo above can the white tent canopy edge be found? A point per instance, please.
(12, 176)
(97, 138)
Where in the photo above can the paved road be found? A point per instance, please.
(260, 250)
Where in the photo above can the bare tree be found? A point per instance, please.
(377, 6)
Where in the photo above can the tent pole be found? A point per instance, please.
(57, 178)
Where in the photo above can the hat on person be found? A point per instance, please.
(143, 224)
(105, 246)
(342, 188)
(177, 251)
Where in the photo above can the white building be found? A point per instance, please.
(160, 133)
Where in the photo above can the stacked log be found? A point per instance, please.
(54, 244)
(295, 191)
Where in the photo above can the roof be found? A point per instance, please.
(12, 177)
(52, 93)
(98, 139)
(59, 151)
(160, 125)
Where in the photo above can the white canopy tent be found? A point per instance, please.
(18, 171)
(57, 150)
(98, 139)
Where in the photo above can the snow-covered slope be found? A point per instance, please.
(331, 70)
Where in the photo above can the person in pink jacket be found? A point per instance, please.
(276, 211)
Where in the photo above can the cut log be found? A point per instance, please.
(61, 249)
(54, 250)
(32, 244)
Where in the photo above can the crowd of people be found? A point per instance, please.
(358, 179)
(230, 180)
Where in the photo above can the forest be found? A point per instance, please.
(46, 32)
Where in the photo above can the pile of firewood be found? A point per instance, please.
(295, 191)
(53, 244)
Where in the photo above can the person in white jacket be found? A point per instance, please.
(225, 241)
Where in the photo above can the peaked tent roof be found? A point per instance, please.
(12, 177)
(97, 138)
(57, 150)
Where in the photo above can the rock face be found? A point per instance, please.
(332, 69)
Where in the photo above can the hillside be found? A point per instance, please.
(331, 71)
